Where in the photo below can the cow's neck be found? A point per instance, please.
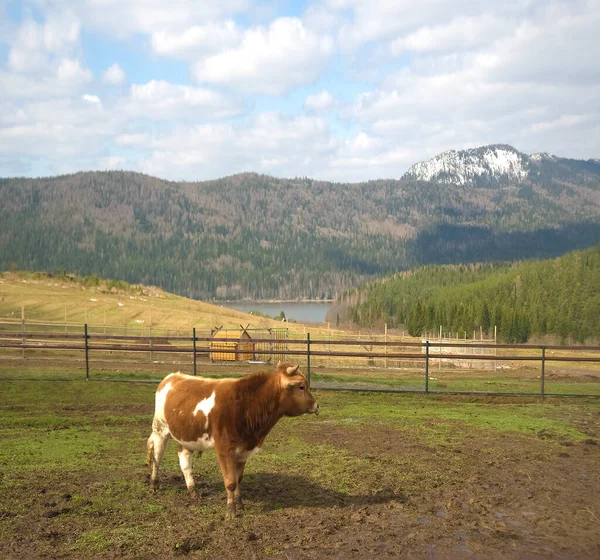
(259, 399)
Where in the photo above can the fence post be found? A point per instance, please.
(194, 339)
(385, 340)
(150, 342)
(87, 352)
(543, 369)
(440, 351)
(23, 337)
(427, 366)
(308, 357)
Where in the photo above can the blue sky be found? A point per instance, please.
(343, 90)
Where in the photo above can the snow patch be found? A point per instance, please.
(461, 167)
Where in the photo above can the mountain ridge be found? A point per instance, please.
(409, 174)
(257, 236)
(494, 161)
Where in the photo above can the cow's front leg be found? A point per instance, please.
(240, 465)
(230, 478)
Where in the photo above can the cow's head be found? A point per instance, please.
(296, 398)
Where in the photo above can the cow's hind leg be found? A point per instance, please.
(157, 443)
(185, 462)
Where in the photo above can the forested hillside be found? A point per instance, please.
(261, 237)
(559, 296)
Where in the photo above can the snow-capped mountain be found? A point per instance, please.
(487, 163)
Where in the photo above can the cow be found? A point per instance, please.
(233, 416)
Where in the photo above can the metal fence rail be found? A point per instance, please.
(87, 344)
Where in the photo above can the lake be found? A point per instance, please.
(301, 311)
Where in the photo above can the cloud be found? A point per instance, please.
(27, 60)
(321, 18)
(411, 80)
(43, 60)
(113, 162)
(561, 45)
(374, 20)
(269, 60)
(461, 33)
(53, 35)
(70, 71)
(562, 122)
(158, 99)
(133, 139)
(268, 143)
(319, 102)
(94, 99)
(197, 39)
(528, 85)
(114, 75)
(116, 18)
(58, 130)
(33, 43)
(24, 87)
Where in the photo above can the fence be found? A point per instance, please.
(413, 361)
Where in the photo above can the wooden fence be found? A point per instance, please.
(417, 357)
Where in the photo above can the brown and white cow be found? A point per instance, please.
(232, 415)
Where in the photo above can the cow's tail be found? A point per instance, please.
(150, 453)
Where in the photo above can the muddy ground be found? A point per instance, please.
(375, 476)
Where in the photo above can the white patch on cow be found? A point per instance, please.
(245, 454)
(203, 443)
(205, 406)
(161, 397)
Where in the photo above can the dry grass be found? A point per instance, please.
(55, 300)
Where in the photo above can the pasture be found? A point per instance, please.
(375, 475)
(130, 309)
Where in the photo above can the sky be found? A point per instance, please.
(341, 90)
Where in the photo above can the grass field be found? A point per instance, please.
(374, 475)
(131, 310)
(59, 300)
(137, 367)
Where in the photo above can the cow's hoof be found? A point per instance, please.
(239, 504)
(230, 511)
(153, 487)
(193, 494)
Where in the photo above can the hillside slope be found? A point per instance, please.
(559, 296)
(98, 302)
(260, 237)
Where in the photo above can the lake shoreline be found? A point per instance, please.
(310, 311)
(263, 301)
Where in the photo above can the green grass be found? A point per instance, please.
(88, 440)
(441, 414)
(475, 381)
(469, 381)
(96, 403)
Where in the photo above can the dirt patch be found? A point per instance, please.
(321, 488)
(502, 496)
(506, 494)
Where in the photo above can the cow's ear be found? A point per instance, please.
(292, 370)
(294, 382)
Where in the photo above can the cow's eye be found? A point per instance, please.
(301, 387)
